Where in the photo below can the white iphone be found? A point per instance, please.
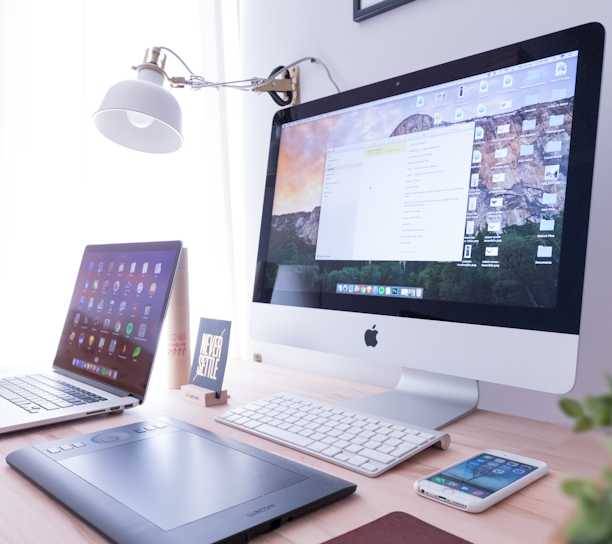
(481, 481)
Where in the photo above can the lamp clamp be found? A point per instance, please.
(288, 87)
(155, 60)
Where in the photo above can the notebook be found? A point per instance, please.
(107, 347)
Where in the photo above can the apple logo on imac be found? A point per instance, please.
(370, 337)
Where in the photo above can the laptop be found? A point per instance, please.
(107, 347)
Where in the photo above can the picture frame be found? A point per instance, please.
(364, 9)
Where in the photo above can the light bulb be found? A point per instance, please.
(139, 120)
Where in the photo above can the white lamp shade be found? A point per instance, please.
(154, 122)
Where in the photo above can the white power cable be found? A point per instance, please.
(198, 82)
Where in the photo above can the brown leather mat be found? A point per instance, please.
(397, 528)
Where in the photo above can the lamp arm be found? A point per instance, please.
(198, 82)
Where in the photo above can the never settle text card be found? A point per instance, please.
(210, 356)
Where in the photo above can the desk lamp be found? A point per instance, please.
(141, 115)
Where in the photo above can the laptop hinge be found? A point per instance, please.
(94, 383)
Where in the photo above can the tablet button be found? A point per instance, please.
(54, 450)
(108, 437)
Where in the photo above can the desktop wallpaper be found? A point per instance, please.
(523, 128)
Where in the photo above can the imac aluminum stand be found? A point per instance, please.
(422, 398)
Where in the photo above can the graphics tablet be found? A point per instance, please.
(163, 480)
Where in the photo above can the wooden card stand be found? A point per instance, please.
(202, 396)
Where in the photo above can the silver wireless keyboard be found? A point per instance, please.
(351, 439)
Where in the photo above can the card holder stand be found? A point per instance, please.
(202, 396)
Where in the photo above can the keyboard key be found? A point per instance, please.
(346, 436)
(369, 467)
(360, 441)
(366, 434)
(323, 429)
(286, 436)
(371, 420)
(252, 424)
(402, 450)
(318, 437)
(342, 457)
(275, 422)
(242, 420)
(331, 451)
(385, 449)
(411, 431)
(357, 461)
(415, 439)
(329, 440)
(393, 442)
(306, 432)
(285, 426)
(384, 424)
(374, 455)
(379, 438)
(341, 444)
(427, 435)
(396, 434)
(353, 448)
(372, 445)
(397, 428)
(317, 446)
(371, 427)
(384, 431)
(335, 433)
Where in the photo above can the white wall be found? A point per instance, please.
(414, 36)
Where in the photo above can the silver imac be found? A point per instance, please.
(438, 221)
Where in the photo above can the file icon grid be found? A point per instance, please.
(559, 94)
(531, 100)
(555, 120)
(526, 150)
(547, 224)
(551, 147)
(545, 251)
(529, 124)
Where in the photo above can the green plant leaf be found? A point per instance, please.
(585, 423)
(572, 408)
(601, 410)
(594, 523)
(580, 489)
(608, 474)
(609, 378)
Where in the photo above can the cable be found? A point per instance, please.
(198, 82)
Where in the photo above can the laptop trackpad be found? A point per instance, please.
(178, 478)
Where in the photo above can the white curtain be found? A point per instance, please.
(63, 186)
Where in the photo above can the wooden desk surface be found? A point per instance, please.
(531, 516)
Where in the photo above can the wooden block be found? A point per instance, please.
(203, 397)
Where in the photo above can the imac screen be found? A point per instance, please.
(448, 201)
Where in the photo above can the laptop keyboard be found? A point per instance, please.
(37, 392)
(357, 441)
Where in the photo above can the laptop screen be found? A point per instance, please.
(116, 312)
